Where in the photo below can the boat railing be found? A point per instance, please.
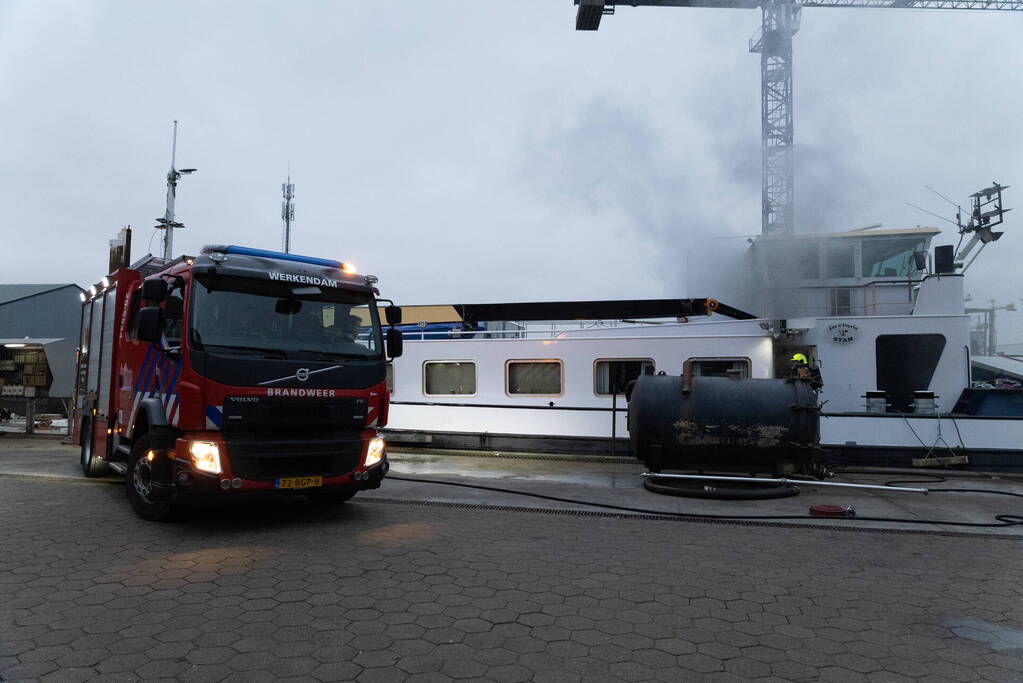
(650, 330)
(875, 298)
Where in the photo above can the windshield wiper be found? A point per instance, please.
(266, 353)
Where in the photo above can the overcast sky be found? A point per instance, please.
(486, 151)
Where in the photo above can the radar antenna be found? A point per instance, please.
(986, 213)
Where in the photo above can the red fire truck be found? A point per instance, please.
(239, 370)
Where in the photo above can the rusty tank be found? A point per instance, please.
(724, 423)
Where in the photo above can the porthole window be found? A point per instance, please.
(534, 377)
(449, 378)
(720, 367)
(612, 376)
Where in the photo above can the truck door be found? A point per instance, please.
(95, 367)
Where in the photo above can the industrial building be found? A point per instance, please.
(51, 311)
(38, 337)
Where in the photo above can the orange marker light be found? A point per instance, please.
(349, 269)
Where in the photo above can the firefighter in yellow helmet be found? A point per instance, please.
(802, 369)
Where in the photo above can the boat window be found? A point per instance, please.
(612, 376)
(720, 367)
(791, 260)
(807, 260)
(841, 259)
(450, 377)
(390, 378)
(890, 257)
(841, 301)
(906, 363)
(534, 377)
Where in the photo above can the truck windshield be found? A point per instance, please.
(240, 315)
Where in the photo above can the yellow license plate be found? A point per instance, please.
(298, 482)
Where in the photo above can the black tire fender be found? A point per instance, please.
(161, 433)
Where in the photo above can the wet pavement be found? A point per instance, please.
(431, 582)
(532, 481)
(618, 483)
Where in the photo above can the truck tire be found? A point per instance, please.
(138, 486)
(330, 498)
(92, 465)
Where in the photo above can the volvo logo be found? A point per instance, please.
(302, 375)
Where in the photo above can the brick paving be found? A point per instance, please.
(375, 591)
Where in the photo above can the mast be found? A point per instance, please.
(167, 222)
(288, 210)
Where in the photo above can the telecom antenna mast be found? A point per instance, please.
(167, 223)
(288, 211)
(780, 22)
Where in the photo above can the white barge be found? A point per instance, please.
(466, 382)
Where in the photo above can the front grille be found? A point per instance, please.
(254, 459)
(298, 412)
(269, 415)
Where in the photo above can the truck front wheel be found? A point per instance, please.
(139, 485)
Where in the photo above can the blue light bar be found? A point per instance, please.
(249, 251)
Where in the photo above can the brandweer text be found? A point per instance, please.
(316, 393)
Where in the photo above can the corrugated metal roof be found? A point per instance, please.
(9, 293)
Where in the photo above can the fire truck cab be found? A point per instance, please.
(240, 370)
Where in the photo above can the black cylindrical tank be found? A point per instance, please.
(680, 421)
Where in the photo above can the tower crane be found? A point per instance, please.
(773, 41)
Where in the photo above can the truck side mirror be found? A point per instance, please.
(154, 289)
(150, 324)
(174, 309)
(394, 342)
(393, 314)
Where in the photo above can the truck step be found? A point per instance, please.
(119, 467)
(121, 453)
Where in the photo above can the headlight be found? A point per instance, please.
(205, 456)
(375, 452)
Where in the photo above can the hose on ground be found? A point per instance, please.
(687, 490)
(1003, 520)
